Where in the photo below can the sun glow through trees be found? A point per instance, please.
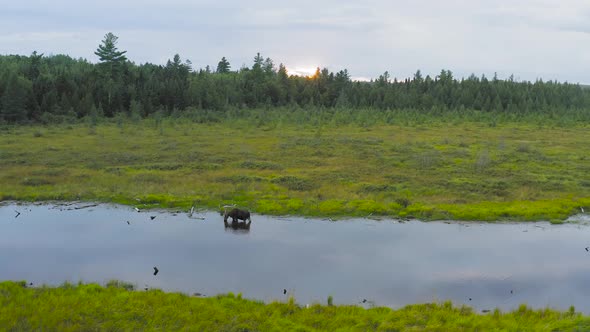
(305, 71)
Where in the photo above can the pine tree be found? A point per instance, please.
(258, 61)
(35, 64)
(109, 56)
(14, 99)
(223, 66)
(112, 65)
(268, 66)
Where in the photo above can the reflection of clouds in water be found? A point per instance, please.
(583, 219)
(555, 270)
(534, 289)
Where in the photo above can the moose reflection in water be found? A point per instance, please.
(235, 225)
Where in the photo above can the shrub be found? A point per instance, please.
(404, 202)
(293, 183)
(372, 188)
(262, 165)
(120, 284)
(34, 182)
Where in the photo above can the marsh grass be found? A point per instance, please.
(117, 307)
(36, 181)
(423, 167)
(294, 183)
(261, 165)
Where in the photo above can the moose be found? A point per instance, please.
(237, 214)
(236, 225)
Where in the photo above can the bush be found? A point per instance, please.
(262, 165)
(294, 183)
(35, 182)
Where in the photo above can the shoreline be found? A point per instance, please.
(184, 208)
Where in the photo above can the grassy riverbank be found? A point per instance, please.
(91, 307)
(468, 170)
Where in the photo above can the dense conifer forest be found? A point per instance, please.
(40, 88)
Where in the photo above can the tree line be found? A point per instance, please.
(40, 88)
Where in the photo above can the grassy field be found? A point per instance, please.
(440, 170)
(116, 307)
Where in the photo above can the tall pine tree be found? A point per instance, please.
(112, 62)
(109, 56)
(223, 66)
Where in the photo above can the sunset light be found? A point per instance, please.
(305, 71)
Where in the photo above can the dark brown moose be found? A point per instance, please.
(236, 226)
(237, 214)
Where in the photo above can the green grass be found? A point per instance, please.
(116, 307)
(455, 169)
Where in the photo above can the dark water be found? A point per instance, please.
(385, 262)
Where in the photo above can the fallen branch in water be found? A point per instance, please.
(61, 205)
(83, 207)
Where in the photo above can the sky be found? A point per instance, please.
(530, 39)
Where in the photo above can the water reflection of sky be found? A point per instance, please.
(386, 262)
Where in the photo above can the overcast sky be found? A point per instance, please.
(528, 38)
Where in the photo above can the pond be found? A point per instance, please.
(358, 261)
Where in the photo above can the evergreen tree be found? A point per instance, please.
(268, 67)
(112, 65)
(258, 61)
(109, 56)
(284, 85)
(383, 80)
(14, 99)
(34, 69)
(223, 67)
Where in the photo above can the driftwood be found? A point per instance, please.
(84, 207)
(191, 212)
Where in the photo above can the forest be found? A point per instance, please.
(58, 88)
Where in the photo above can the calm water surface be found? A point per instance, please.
(385, 262)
